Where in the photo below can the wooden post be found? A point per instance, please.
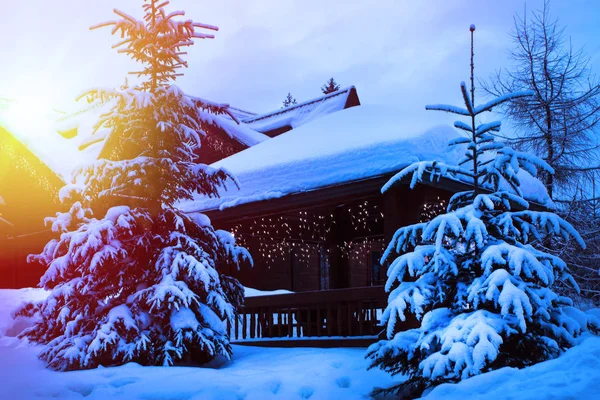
(279, 322)
(319, 321)
(329, 321)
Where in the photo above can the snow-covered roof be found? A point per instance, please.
(299, 114)
(353, 144)
(85, 120)
(241, 114)
(65, 141)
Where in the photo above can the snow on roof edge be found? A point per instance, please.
(312, 157)
(299, 105)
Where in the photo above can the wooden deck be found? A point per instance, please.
(328, 318)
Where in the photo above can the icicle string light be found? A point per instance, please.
(302, 233)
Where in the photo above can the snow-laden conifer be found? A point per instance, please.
(330, 86)
(131, 277)
(289, 101)
(473, 280)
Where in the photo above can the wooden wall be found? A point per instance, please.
(30, 190)
(351, 247)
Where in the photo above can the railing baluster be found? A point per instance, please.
(319, 321)
(340, 331)
(373, 317)
(359, 317)
(289, 322)
(279, 322)
(329, 321)
(270, 321)
(349, 308)
(298, 322)
(252, 325)
(245, 323)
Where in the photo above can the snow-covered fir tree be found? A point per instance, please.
(330, 87)
(132, 278)
(289, 101)
(472, 279)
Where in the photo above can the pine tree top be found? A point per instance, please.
(289, 101)
(330, 87)
(488, 164)
(157, 41)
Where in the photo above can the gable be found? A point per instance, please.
(355, 144)
(283, 120)
(28, 186)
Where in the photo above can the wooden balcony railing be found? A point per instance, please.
(317, 314)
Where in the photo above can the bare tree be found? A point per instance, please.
(558, 123)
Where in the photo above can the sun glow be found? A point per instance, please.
(30, 116)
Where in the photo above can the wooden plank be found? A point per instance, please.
(319, 321)
(260, 323)
(270, 320)
(372, 318)
(340, 331)
(359, 317)
(279, 322)
(298, 322)
(252, 325)
(349, 317)
(237, 325)
(245, 324)
(289, 322)
(308, 323)
(329, 321)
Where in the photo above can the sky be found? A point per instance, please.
(400, 53)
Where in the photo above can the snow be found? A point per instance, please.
(274, 373)
(300, 114)
(10, 300)
(253, 373)
(241, 132)
(574, 375)
(250, 292)
(64, 155)
(352, 144)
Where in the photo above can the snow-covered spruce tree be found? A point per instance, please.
(289, 101)
(141, 282)
(472, 278)
(330, 87)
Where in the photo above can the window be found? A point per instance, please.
(376, 268)
(323, 268)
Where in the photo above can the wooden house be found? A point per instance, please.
(311, 212)
(310, 208)
(40, 149)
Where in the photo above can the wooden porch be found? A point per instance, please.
(326, 318)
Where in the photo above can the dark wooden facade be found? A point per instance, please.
(30, 192)
(330, 238)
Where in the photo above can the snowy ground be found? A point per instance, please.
(254, 373)
(272, 373)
